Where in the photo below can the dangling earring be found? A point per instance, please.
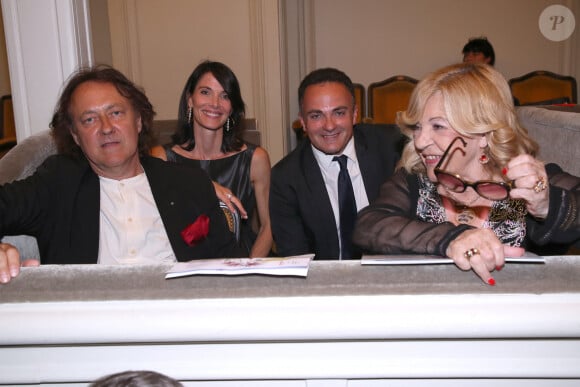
(483, 159)
(189, 115)
(228, 125)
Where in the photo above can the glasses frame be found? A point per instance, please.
(438, 171)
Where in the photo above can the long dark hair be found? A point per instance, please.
(62, 123)
(227, 79)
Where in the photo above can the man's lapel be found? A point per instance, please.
(367, 162)
(321, 206)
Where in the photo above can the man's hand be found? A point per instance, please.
(9, 262)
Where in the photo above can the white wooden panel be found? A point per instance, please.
(431, 359)
(314, 333)
(293, 318)
(46, 41)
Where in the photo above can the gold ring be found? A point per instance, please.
(540, 185)
(470, 253)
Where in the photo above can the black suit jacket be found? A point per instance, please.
(300, 210)
(60, 206)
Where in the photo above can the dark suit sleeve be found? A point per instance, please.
(287, 228)
(562, 225)
(28, 205)
(378, 149)
(21, 204)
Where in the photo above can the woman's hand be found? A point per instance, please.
(531, 184)
(480, 249)
(225, 195)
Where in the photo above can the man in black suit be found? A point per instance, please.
(304, 192)
(103, 199)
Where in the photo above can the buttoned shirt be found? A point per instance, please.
(131, 229)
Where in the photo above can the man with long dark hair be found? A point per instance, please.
(102, 199)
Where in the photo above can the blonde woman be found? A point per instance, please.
(469, 186)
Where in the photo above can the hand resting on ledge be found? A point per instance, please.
(10, 262)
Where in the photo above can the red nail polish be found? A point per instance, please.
(491, 282)
(504, 170)
(498, 268)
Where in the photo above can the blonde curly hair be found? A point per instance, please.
(476, 100)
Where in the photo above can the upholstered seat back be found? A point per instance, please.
(557, 132)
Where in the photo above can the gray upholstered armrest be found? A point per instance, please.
(22, 160)
(557, 133)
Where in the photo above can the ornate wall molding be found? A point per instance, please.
(125, 49)
(267, 78)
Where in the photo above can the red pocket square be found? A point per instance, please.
(196, 231)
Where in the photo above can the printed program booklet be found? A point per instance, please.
(435, 260)
(286, 266)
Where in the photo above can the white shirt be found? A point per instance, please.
(131, 229)
(330, 170)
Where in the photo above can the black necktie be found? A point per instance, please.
(347, 207)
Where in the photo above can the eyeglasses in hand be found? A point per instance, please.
(489, 189)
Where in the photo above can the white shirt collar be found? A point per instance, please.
(326, 160)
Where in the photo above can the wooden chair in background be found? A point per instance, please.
(359, 100)
(387, 97)
(7, 125)
(543, 88)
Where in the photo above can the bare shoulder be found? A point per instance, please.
(260, 167)
(261, 156)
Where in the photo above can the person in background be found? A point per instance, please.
(136, 379)
(333, 173)
(210, 122)
(478, 50)
(469, 185)
(102, 198)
